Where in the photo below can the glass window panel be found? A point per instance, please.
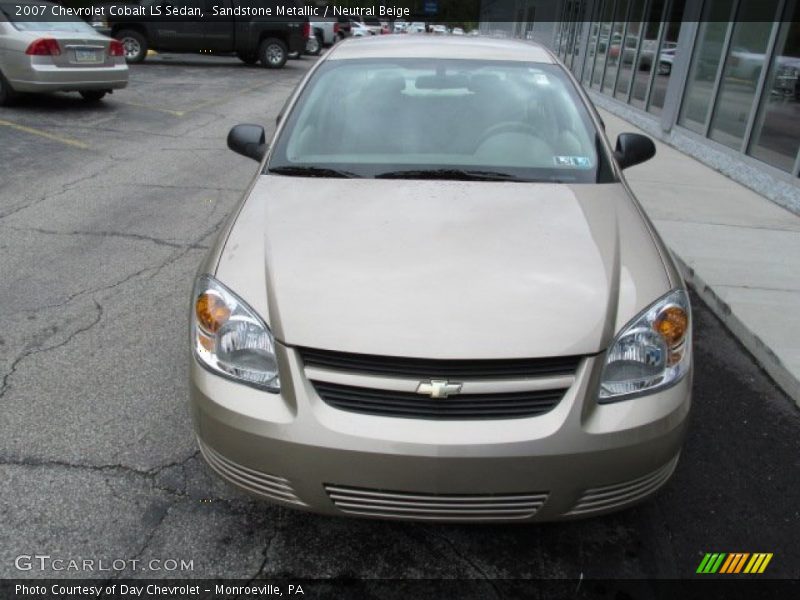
(647, 52)
(573, 42)
(776, 135)
(666, 56)
(742, 69)
(705, 64)
(604, 34)
(629, 47)
(591, 45)
(615, 45)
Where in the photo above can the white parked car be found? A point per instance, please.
(360, 30)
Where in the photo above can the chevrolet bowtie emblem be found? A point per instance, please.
(438, 388)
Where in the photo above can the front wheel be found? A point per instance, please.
(93, 95)
(134, 45)
(273, 53)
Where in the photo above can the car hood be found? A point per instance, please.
(442, 269)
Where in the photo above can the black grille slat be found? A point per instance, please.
(422, 368)
(462, 406)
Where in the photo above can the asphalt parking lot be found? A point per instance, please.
(105, 214)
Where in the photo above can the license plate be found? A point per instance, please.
(86, 56)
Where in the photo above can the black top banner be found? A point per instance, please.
(462, 12)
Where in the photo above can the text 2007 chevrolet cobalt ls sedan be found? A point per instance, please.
(468, 318)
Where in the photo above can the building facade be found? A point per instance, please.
(719, 79)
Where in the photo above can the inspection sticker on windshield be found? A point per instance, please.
(541, 79)
(581, 162)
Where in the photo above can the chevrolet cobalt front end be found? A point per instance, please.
(469, 320)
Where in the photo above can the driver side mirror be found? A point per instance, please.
(249, 141)
(633, 149)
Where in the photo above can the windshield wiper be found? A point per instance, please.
(309, 171)
(454, 174)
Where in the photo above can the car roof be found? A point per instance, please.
(420, 46)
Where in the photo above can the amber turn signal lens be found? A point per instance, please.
(211, 312)
(672, 323)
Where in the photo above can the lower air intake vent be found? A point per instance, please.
(613, 496)
(435, 507)
(262, 484)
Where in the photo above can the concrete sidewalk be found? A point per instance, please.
(738, 250)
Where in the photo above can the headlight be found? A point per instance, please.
(650, 353)
(230, 339)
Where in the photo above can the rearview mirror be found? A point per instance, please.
(633, 149)
(249, 141)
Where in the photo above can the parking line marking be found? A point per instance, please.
(44, 134)
(174, 113)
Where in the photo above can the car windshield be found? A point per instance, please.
(441, 119)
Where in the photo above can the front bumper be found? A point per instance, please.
(579, 459)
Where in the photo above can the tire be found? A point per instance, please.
(248, 60)
(7, 95)
(93, 95)
(273, 53)
(134, 43)
(314, 45)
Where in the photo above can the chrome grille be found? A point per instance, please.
(423, 368)
(617, 495)
(439, 507)
(390, 403)
(257, 482)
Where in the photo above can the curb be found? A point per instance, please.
(763, 354)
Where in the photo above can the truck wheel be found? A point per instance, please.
(248, 59)
(273, 53)
(314, 45)
(7, 95)
(134, 44)
(93, 95)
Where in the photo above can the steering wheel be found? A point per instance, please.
(508, 127)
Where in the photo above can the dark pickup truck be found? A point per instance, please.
(239, 27)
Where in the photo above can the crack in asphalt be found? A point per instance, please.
(468, 560)
(30, 351)
(268, 546)
(149, 537)
(27, 352)
(117, 467)
(65, 187)
(111, 234)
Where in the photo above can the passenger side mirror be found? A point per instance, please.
(633, 149)
(249, 141)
